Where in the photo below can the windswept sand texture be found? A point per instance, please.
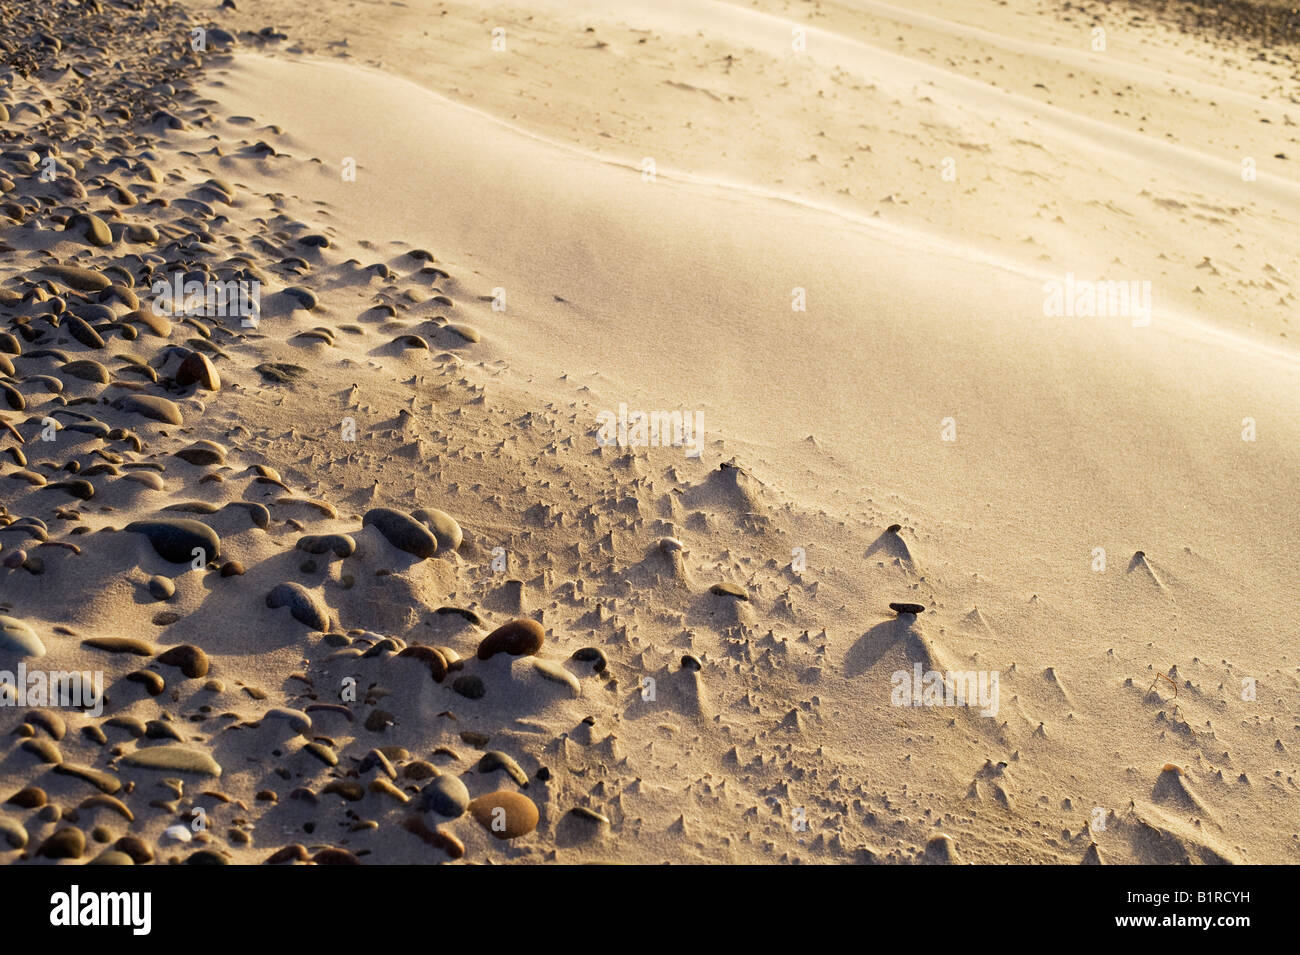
(364, 581)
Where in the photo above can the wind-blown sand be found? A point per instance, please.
(1096, 512)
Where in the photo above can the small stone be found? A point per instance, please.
(322, 752)
(161, 588)
(151, 407)
(593, 655)
(728, 590)
(90, 228)
(179, 540)
(170, 758)
(507, 815)
(431, 658)
(520, 637)
(402, 531)
(557, 674)
(19, 639)
(469, 686)
(902, 608)
(67, 843)
(304, 606)
(136, 848)
(153, 683)
(12, 834)
(493, 760)
(104, 781)
(444, 527)
(197, 369)
(203, 453)
(190, 660)
(30, 797)
(445, 795)
(129, 645)
(45, 750)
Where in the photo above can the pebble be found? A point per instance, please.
(436, 838)
(902, 608)
(43, 749)
(304, 606)
(593, 655)
(161, 588)
(431, 657)
(189, 659)
(178, 759)
(104, 781)
(493, 760)
(152, 407)
(297, 720)
(402, 531)
(445, 795)
(66, 843)
(111, 857)
(136, 848)
(521, 637)
(340, 545)
(470, 687)
(91, 228)
(556, 673)
(29, 797)
(445, 529)
(48, 720)
(19, 639)
(728, 590)
(130, 645)
(197, 369)
(12, 833)
(176, 539)
(83, 280)
(507, 815)
(202, 453)
(322, 752)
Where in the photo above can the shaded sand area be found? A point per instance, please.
(460, 281)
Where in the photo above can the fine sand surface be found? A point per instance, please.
(473, 248)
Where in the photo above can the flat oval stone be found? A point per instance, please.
(907, 608)
(120, 645)
(87, 369)
(174, 759)
(728, 590)
(304, 606)
(19, 639)
(507, 815)
(83, 280)
(80, 329)
(402, 531)
(557, 674)
(444, 527)
(495, 759)
(202, 453)
(91, 228)
(521, 637)
(152, 407)
(176, 539)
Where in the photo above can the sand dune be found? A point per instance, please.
(396, 561)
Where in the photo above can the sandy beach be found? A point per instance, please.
(650, 431)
